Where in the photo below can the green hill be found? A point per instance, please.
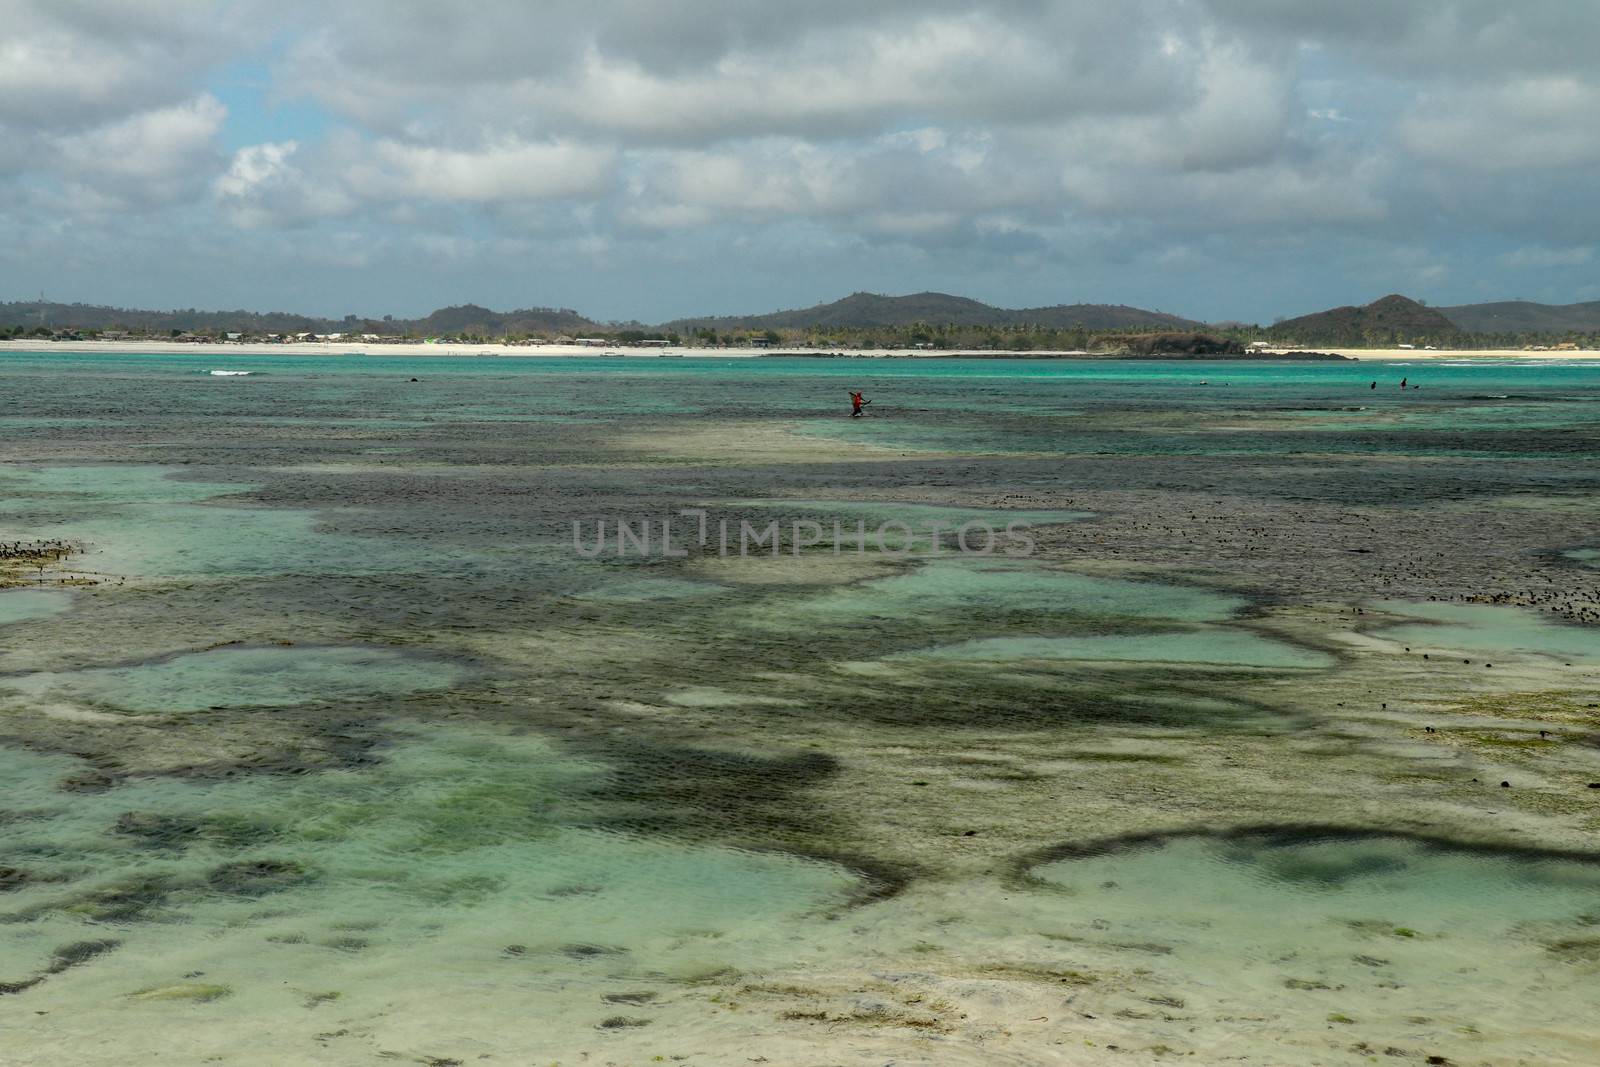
(1523, 316)
(872, 310)
(450, 321)
(472, 319)
(1394, 319)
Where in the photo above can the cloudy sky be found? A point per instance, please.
(1221, 159)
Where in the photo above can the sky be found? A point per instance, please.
(649, 159)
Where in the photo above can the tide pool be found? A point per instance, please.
(1490, 628)
(23, 605)
(237, 677)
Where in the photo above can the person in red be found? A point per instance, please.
(855, 405)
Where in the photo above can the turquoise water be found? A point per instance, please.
(238, 677)
(1392, 941)
(460, 845)
(1219, 648)
(346, 737)
(1515, 632)
(1264, 890)
(940, 588)
(21, 605)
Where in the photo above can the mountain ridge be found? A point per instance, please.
(862, 310)
(1390, 319)
(1525, 316)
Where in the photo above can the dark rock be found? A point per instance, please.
(127, 901)
(583, 952)
(90, 781)
(78, 953)
(254, 878)
(1182, 344)
(157, 831)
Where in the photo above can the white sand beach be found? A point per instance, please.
(430, 350)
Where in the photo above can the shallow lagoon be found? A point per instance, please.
(798, 808)
(22, 605)
(237, 677)
(1485, 628)
(462, 854)
(1392, 939)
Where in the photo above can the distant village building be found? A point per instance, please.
(591, 342)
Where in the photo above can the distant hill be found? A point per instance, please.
(470, 318)
(31, 313)
(467, 318)
(869, 310)
(1394, 319)
(1522, 316)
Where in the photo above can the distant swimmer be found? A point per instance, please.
(1374, 385)
(856, 400)
(1402, 383)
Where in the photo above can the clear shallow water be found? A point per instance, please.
(152, 522)
(938, 589)
(658, 772)
(1389, 939)
(21, 605)
(1513, 631)
(1261, 891)
(239, 677)
(462, 851)
(1030, 597)
(1219, 648)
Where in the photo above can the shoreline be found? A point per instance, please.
(498, 350)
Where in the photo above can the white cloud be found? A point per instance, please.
(67, 64)
(1526, 124)
(1545, 258)
(264, 187)
(506, 170)
(151, 147)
